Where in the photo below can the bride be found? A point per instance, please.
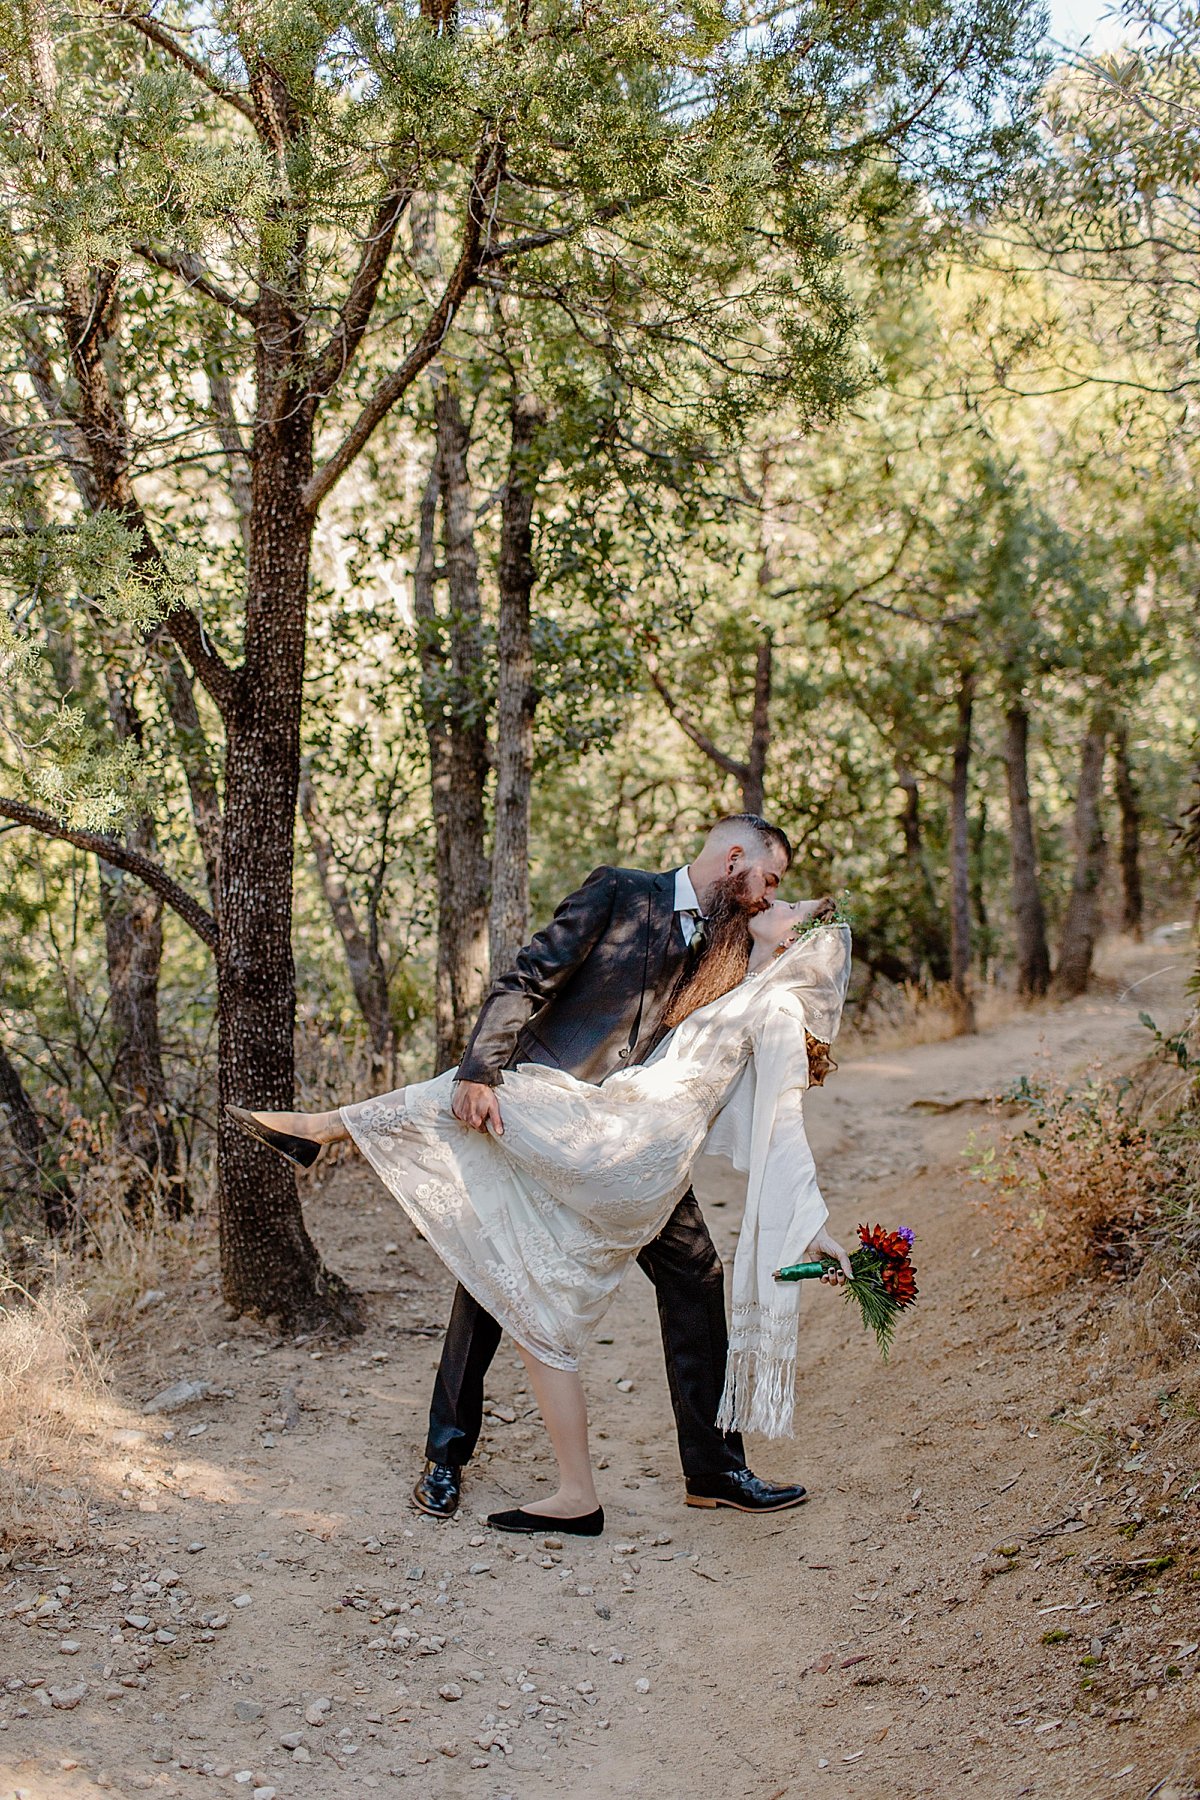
(540, 1221)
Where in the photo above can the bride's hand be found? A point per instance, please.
(808, 910)
(824, 1245)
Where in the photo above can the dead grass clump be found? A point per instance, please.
(52, 1390)
(1073, 1190)
(1162, 1308)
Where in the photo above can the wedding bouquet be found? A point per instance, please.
(883, 1282)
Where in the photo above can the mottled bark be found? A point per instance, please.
(269, 1264)
(133, 939)
(1129, 807)
(454, 705)
(1029, 914)
(1081, 923)
(364, 962)
(960, 858)
(50, 1186)
(516, 696)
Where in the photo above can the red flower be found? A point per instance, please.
(899, 1282)
(888, 1244)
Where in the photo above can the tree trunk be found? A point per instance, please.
(760, 728)
(51, 1186)
(960, 860)
(983, 927)
(1029, 915)
(1078, 941)
(454, 706)
(1129, 805)
(133, 937)
(927, 931)
(516, 696)
(368, 974)
(269, 1264)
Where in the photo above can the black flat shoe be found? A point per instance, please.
(744, 1492)
(439, 1490)
(589, 1525)
(300, 1151)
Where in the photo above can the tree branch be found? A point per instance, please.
(486, 175)
(189, 268)
(158, 34)
(359, 303)
(730, 764)
(113, 851)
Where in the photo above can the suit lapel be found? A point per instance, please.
(661, 925)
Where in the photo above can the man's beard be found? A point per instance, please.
(731, 893)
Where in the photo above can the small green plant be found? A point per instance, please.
(1058, 1636)
(1174, 1048)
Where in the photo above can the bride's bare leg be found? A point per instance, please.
(320, 1128)
(559, 1394)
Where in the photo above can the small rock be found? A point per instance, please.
(245, 1776)
(479, 1568)
(584, 1687)
(301, 1754)
(180, 1393)
(65, 1699)
(447, 1749)
(69, 1647)
(625, 1386)
(291, 1740)
(477, 1543)
(315, 1714)
(161, 1753)
(247, 1711)
(195, 1547)
(553, 1543)
(451, 1691)
(602, 1611)
(136, 1621)
(641, 1685)
(263, 1793)
(241, 1599)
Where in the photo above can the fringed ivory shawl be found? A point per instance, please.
(760, 1129)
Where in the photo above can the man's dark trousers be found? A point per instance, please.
(683, 1264)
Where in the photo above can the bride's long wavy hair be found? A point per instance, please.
(724, 958)
(722, 963)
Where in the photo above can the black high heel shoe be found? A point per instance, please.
(300, 1151)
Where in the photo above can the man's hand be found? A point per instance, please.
(475, 1104)
(824, 1245)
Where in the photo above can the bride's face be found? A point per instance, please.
(773, 927)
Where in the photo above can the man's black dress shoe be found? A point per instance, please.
(743, 1491)
(586, 1525)
(439, 1490)
(301, 1151)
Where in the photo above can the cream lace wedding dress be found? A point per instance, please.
(541, 1223)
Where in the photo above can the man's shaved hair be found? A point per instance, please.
(740, 825)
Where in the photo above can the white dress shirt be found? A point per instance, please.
(687, 905)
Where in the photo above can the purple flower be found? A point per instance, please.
(908, 1234)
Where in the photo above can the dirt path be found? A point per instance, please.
(941, 1619)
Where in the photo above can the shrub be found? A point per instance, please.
(1073, 1188)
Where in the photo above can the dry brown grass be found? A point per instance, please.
(52, 1400)
(1075, 1187)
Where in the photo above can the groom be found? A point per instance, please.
(587, 995)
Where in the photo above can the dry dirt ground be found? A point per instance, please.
(973, 1601)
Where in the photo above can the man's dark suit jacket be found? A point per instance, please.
(588, 993)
